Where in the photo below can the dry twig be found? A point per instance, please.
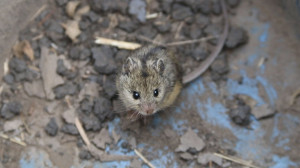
(144, 159)
(236, 160)
(82, 133)
(178, 29)
(133, 46)
(15, 140)
(26, 126)
(38, 12)
(190, 41)
(6, 66)
(116, 43)
(152, 16)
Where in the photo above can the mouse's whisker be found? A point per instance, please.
(132, 115)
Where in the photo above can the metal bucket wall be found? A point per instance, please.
(202, 96)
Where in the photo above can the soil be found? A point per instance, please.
(70, 76)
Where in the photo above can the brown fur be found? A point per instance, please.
(147, 69)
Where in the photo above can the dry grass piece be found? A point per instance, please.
(190, 41)
(261, 61)
(15, 140)
(236, 160)
(23, 47)
(5, 66)
(82, 133)
(81, 12)
(144, 159)
(71, 8)
(38, 12)
(28, 50)
(116, 43)
(152, 16)
(72, 29)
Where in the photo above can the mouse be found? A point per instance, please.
(151, 79)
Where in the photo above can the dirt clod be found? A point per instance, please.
(9, 79)
(220, 66)
(70, 129)
(74, 53)
(180, 12)
(17, 65)
(237, 36)
(190, 140)
(128, 26)
(68, 88)
(205, 158)
(61, 2)
(200, 53)
(233, 3)
(216, 7)
(48, 63)
(213, 30)
(241, 115)
(193, 151)
(138, 9)
(35, 88)
(86, 106)
(147, 31)
(262, 111)
(90, 123)
(102, 108)
(163, 25)
(10, 109)
(126, 145)
(69, 116)
(110, 88)
(186, 156)
(52, 127)
(104, 62)
(135, 164)
(63, 71)
(109, 6)
(102, 139)
(12, 125)
(85, 53)
(85, 155)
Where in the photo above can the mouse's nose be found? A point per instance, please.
(148, 109)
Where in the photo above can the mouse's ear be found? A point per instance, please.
(129, 65)
(159, 66)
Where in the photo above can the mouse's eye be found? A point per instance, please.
(136, 95)
(155, 93)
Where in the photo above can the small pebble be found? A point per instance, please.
(10, 109)
(180, 12)
(51, 128)
(85, 155)
(70, 129)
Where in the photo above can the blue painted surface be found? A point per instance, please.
(264, 36)
(251, 59)
(213, 88)
(282, 162)
(34, 158)
(249, 141)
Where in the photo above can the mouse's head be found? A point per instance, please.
(142, 84)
